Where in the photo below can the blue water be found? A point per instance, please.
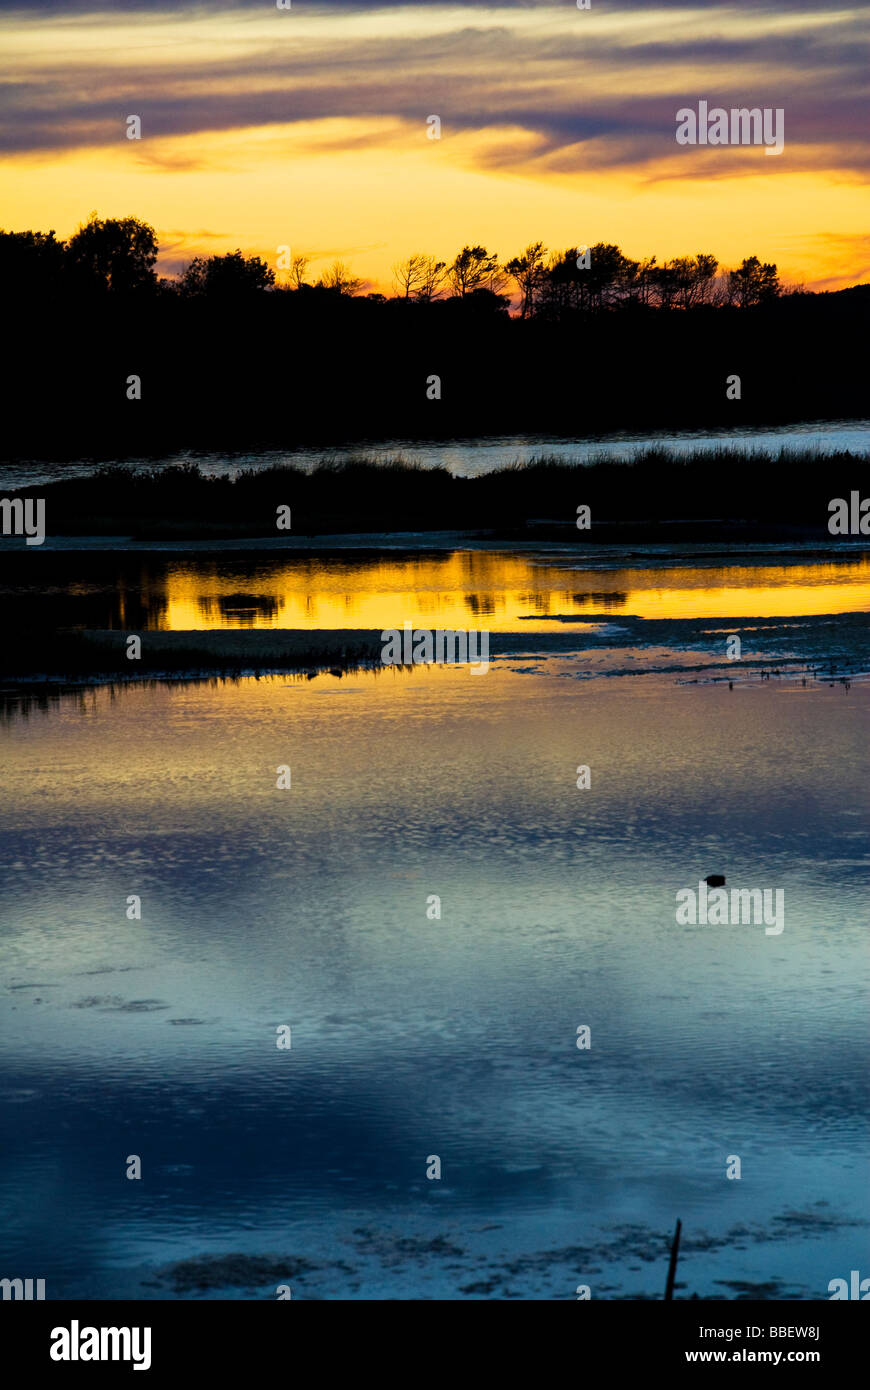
(415, 1037)
(469, 457)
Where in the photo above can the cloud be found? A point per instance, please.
(195, 7)
(580, 96)
(178, 7)
(835, 249)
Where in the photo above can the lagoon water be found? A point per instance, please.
(469, 457)
(535, 590)
(414, 1037)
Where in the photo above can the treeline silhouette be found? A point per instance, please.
(110, 359)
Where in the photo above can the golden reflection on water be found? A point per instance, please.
(500, 592)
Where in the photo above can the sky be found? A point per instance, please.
(308, 128)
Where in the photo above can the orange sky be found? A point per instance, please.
(307, 128)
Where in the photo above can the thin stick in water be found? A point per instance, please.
(672, 1267)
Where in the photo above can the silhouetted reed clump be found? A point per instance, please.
(77, 656)
(358, 495)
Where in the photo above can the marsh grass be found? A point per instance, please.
(357, 494)
(227, 652)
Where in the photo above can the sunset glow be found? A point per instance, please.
(307, 127)
(504, 593)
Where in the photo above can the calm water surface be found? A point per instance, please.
(414, 1037)
(468, 457)
(460, 588)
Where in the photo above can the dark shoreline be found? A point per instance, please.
(832, 648)
(100, 656)
(727, 496)
(279, 368)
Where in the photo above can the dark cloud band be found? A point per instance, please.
(475, 76)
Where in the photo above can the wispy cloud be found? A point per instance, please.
(310, 125)
(586, 93)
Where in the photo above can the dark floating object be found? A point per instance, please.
(715, 880)
(672, 1263)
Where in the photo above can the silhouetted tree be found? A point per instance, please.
(691, 279)
(116, 254)
(528, 271)
(753, 283)
(639, 281)
(586, 282)
(407, 275)
(30, 262)
(432, 280)
(340, 279)
(231, 274)
(298, 267)
(473, 269)
(419, 277)
(119, 255)
(609, 275)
